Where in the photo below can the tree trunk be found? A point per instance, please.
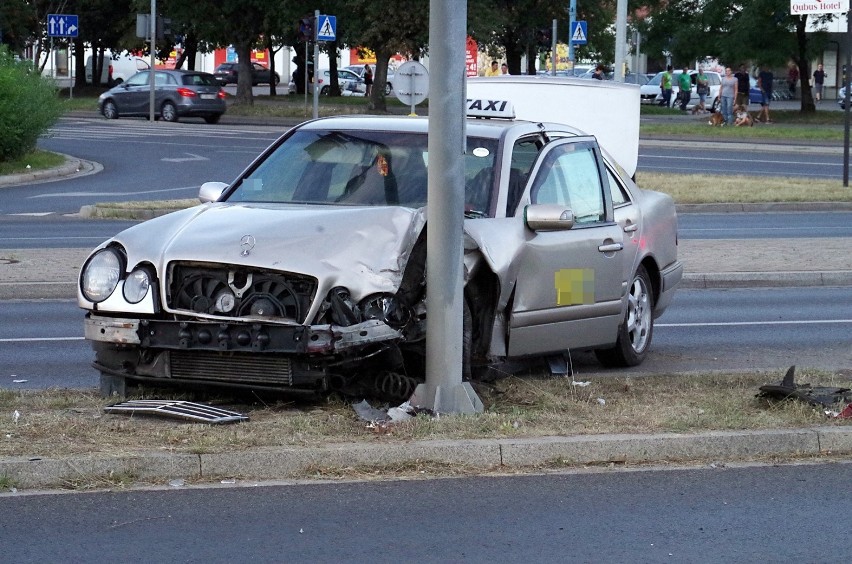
(79, 64)
(244, 77)
(377, 96)
(271, 51)
(803, 63)
(532, 56)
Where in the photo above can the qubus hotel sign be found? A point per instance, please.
(798, 7)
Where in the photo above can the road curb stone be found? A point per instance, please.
(476, 456)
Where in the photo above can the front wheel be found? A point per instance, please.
(110, 111)
(169, 112)
(637, 328)
(715, 107)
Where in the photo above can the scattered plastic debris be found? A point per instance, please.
(601, 401)
(228, 481)
(815, 395)
(178, 483)
(369, 413)
(580, 384)
(19, 381)
(181, 409)
(16, 416)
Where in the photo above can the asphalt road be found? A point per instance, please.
(703, 330)
(793, 513)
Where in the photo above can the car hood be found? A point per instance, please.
(362, 248)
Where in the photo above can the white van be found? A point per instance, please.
(116, 68)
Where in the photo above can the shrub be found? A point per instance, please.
(28, 106)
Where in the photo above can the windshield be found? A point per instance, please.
(361, 168)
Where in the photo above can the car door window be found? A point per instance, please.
(139, 79)
(570, 176)
(524, 154)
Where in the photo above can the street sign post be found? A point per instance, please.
(62, 25)
(326, 28)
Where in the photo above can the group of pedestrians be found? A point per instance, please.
(734, 95)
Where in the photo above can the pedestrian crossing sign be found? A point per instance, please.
(327, 28)
(579, 33)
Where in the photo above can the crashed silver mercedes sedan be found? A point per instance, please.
(307, 273)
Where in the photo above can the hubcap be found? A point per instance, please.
(638, 315)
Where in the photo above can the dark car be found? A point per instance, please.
(177, 94)
(227, 73)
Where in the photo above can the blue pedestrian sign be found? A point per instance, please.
(327, 28)
(579, 35)
(62, 25)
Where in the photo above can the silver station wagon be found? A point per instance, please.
(307, 273)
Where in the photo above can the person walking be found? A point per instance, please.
(764, 82)
(684, 84)
(702, 89)
(727, 95)
(743, 86)
(819, 81)
(666, 87)
(368, 80)
(792, 78)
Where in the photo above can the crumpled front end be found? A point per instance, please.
(262, 310)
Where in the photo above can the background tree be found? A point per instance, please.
(761, 32)
(385, 28)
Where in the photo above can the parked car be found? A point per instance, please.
(116, 68)
(629, 78)
(841, 97)
(349, 82)
(227, 73)
(650, 92)
(177, 94)
(307, 273)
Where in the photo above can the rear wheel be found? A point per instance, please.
(388, 88)
(324, 91)
(110, 111)
(212, 118)
(637, 328)
(169, 112)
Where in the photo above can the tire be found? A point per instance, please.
(388, 88)
(169, 112)
(637, 328)
(715, 107)
(324, 91)
(277, 79)
(109, 110)
(212, 118)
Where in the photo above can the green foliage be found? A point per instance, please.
(28, 106)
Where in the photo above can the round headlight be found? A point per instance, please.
(101, 275)
(136, 286)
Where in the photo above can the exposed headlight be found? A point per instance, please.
(101, 275)
(136, 286)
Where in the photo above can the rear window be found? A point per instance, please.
(199, 80)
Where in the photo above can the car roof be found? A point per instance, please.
(476, 127)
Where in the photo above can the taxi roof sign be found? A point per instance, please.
(483, 108)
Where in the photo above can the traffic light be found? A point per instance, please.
(305, 29)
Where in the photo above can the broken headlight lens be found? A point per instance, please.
(384, 307)
(100, 275)
(136, 286)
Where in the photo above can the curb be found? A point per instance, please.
(488, 455)
(722, 280)
(72, 167)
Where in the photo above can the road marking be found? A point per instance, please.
(33, 214)
(41, 339)
(723, 159)
(191, 157)
(78, 194)
(752, 323)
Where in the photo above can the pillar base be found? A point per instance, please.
(460, 398)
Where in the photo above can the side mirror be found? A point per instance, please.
(548, 217)
(211, 191)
